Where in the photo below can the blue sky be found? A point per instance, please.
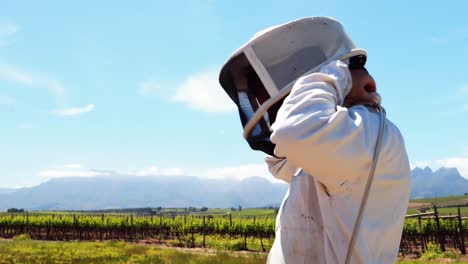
(99, 87)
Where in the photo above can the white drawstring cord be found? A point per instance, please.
(357, 224)
(283, 93)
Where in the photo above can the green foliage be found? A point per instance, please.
(22, 237)
(28, 251)
(246, 212)
(111, 252)
(15, 210)
(234, 243)
(444, 201)
(434, 252)
(429, 226)
(131, 225)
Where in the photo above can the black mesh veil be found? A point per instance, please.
(248, 99)
(272, 61)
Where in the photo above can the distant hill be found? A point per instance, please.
(7, 190)
(442, 182)
(132, 192)
(117, 191)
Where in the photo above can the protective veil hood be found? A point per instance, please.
(272, 61)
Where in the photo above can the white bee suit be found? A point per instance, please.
(326, 151)
(327, 154)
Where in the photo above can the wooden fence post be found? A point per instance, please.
(245, 240)
(204, 231)
(191, 232)
(132, 231)
(160, 227)
(461, 233)
(421, 236)
(440, 234)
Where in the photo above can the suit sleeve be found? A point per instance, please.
(334, 144)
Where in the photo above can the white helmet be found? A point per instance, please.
(272, 61)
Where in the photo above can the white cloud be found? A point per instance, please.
(71, 166)
(12, 74)
(156, 171)
(74, 110)
(202, 91)
(72, 170)
(57, 173)
(238, 172)
(461, 163)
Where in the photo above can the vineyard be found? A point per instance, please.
(203, 231)
(183, 229)
(448, 231)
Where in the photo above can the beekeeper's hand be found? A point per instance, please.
(341, 76)
(353, 87)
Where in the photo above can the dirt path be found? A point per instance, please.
(196, 250)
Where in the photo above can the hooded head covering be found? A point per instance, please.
(272, 61)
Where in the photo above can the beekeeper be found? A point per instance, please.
(306, 99)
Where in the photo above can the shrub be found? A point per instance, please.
(433, 251)
(22, 237)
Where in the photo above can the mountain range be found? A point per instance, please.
(442, 182)
(106, 192)
(112, 192)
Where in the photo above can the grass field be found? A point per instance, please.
(23, 250)
(222, 249)
(28, 251)
(442, 211)
(246, 212)
(414, 205)
(444, 201)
